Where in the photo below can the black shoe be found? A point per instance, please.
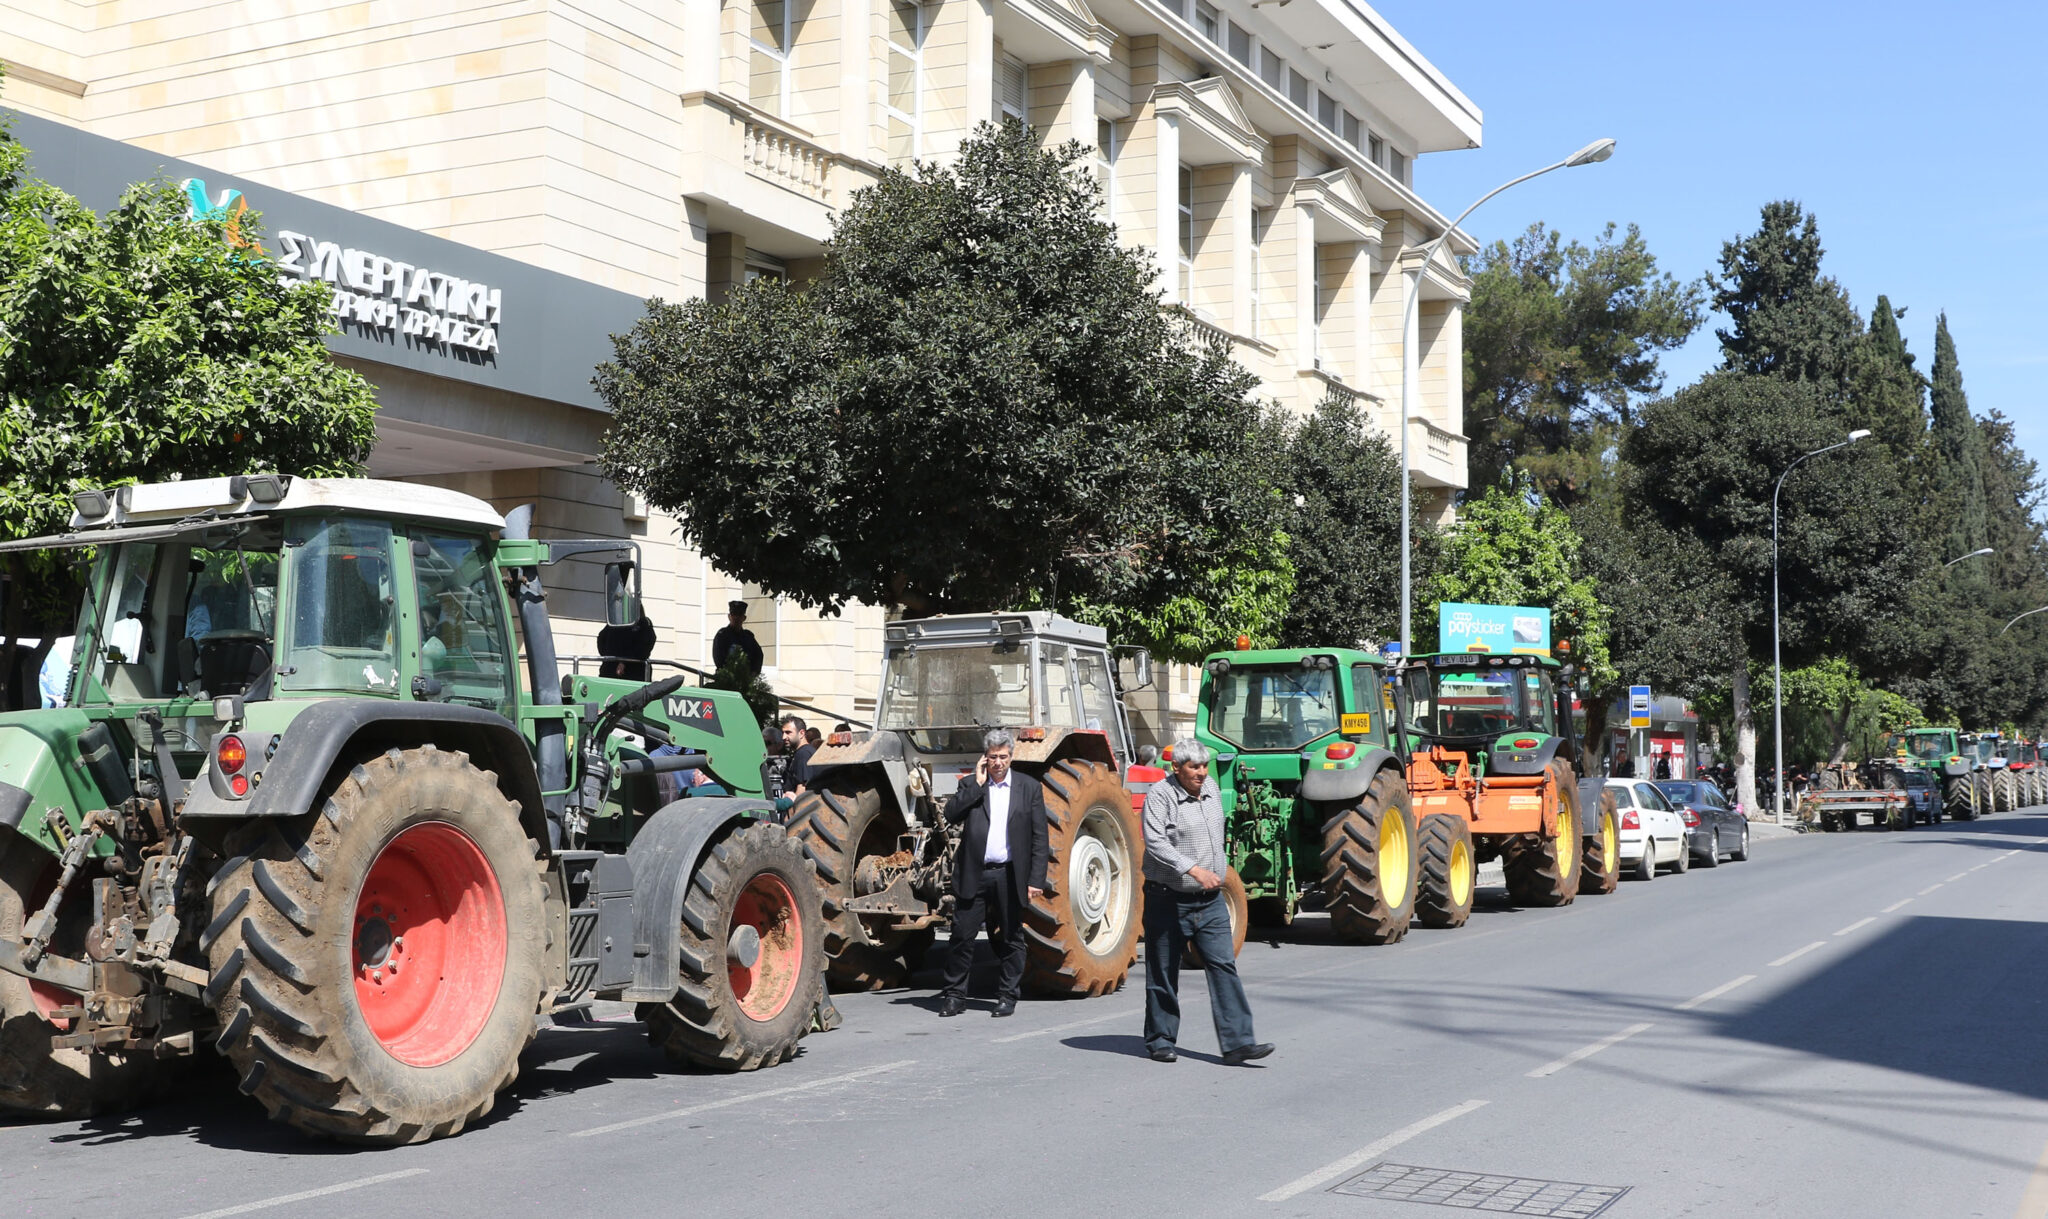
(1246, 1053)
(1164, 1053)
(953, 1006)
(1007, 1007)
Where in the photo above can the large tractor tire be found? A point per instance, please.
(753, 956)
(377, 964)
(1600, 863)
(1082, 936)
(1240, 918)
(1980, 780)
(840, 823)
(1544, 871)
(1370, 864)
(1829, 780)
(1450, 871)
(35, 1079)
(2003, 796)
(1959, 798)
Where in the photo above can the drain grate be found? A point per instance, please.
(1475, 1191)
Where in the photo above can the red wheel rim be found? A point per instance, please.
(764, 988)
(428, 950)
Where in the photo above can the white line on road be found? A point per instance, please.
(1794, 955)
(827, 1082)
(1587, 1051)
(1861, 922)
(2007, 855)
(1717, 992)
(1061, 1028)
(1958, 876)
(1929, 889)
(286, 1199)
(1895, 905)
(1337, 1168)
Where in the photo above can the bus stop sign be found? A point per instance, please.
(1639, 706)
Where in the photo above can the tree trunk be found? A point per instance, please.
(1839, 722)
(1745, 740)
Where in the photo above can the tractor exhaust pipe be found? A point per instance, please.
(544, 675)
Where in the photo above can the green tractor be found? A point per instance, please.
(1942, 752)
(1313, 792)
(303, 809)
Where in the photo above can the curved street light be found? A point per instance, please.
(2008, 626)
(1973, 554)
(1598, 150)
(1777, 660)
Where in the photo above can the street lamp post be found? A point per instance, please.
(1598, 150)
(2008, 626)
(1973, 554)
(1777, 659)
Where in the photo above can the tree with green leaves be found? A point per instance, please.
(142, 346)
(1509, 547)
(1561, 341)
(1343, 482)
(979, 404)
(1787, 319)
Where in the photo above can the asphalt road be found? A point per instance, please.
(1845, 1025)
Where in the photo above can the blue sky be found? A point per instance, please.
(1914, 132)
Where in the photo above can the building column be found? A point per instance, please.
(1166, 163)
(857, 65)
(1358, 284)
(1239, 208)
(1305, 286)
(702, 45)
(981, 64)
(694, 252)
(1080, 106)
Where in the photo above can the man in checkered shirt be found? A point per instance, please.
(1184, 904)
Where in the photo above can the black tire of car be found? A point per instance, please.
(1711, 857)
(1741, 851)
(1681, 860)
(1646, 867)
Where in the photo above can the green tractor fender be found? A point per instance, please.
(329, 736)
(1957, 767)
(1346, 782)
(664, 857)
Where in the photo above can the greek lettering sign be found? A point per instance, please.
(1462, 627)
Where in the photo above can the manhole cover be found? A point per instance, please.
(1476, 1191)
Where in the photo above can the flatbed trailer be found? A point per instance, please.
(1840, 809)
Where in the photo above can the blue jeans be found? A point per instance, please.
(1172, 921)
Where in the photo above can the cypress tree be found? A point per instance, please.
(1959, 450)
(1790, 320)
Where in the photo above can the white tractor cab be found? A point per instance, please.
(872, 817)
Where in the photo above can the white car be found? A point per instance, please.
(1652, 830)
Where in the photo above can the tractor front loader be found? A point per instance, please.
(304, 811)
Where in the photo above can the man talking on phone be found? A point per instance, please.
(1000, 863)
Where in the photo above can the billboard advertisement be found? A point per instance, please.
(1463, 627)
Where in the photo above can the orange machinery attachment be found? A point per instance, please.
(1441, 781)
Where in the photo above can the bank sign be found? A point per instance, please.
(1462, 627)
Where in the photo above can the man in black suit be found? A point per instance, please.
(1000, 863)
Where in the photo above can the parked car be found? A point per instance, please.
(1652, 831)
(1712, 826)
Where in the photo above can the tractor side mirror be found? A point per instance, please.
(621, 593)
(1140, 662)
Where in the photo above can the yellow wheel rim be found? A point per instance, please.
(1462, 876)
(1567, 842)
(1610, 846)
(1393, 858)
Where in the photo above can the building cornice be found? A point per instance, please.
(1210, 107)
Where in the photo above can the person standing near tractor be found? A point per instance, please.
(1184, 905)
(735, 635)
(1001, 863)
(797, 778)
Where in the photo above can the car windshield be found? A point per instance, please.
(1457, 702)
(1684, 792)
(1274, 707)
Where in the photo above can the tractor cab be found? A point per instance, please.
(1988, 748)
(1499, 711)
(1291, 702)
(1922, 746)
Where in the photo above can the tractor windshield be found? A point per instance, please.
(1925, 746)
(1451, 703)
(955, 690)
(1986, 748)
(2024, 755)
(1275, 707)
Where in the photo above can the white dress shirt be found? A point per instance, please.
(998, 850)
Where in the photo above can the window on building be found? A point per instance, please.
(1272, 68)
(1178, 8)
(1326, 110)
(768, 43)
(1397, 165)
(1375, 149)
(1354, 131)
(1187, 235)
(904, 110)
(1318, 304)
(1207, 21)
(1262, 219)
(1013, 93)
(764, 266)
(1297, 90)
(1241, 44)
(1107, 140)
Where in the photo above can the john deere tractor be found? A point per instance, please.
(871, 818)
(1316, 808)
(1490, 749)
(304, 811)
(1965, 789)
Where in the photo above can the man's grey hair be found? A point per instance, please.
(1189, 750)
(997, 738)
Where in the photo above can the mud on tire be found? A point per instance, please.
(839, 823)
(1449, 874)
(1082, 937)
(305, 909)
(731, 1016)
(1370, 865)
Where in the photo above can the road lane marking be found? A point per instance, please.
(1713, 994)
(1337, 1168)
(1794, 955)
(287, 1199)
(1587, 1051)
(1061, 1028)
(1861, 922)
(1929, 889)
(729, 1101)
(1958, 876)
(1895, 905)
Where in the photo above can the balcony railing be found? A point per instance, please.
(787, 160)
